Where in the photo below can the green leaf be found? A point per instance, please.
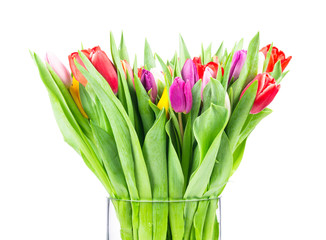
(166, 71)
(127, 144)
(277, 71)
(208, 54)
(252, 123)
(123, 90)
(123, 53)
(249, 69)
(222, 169)
(268, 57)
(154, 150)
(110, 158)
(183, 51)
(64, 95)
(188, 138)
(219, 52)
(149, 61)
(220, 175)
(278, 81)
(208, 129)
(240, 114)
(144, 108)
(176, 183)
(238, 154)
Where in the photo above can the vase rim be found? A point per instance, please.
(165, 201)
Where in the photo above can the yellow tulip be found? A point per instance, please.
(164, 101)
(74, 91)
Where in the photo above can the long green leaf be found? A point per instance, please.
(154, 150)
(240, 114)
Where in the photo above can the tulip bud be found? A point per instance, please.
(100, 61)
(180, 95)
(148, 81)
(75, 72)
(140, 70)
(189, 72)
(59, 69)
(276, 55)
(105, 67)
(238, 61)
(267, 90)
(74, 91)
(206, 78)
(164, 101)
(126, 67)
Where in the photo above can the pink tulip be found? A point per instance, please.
(59, 69)
(208, 73)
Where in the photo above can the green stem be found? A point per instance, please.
(181, 125)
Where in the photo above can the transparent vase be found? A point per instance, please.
(198, 219)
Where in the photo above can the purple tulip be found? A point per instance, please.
(189, 72)
(180, 95)
(208, 74)
(238, 60)
(59, 69)
(148, 81)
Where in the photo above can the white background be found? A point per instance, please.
(46, 191)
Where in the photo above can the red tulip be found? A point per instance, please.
(276, 55)
(100, 61)
(201, 68)
(140, 70)
(267, 90)
(75, 72)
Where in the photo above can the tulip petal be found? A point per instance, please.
(74, 91)
(105, 67)
(164, 101)
(285, 62)
(59, 69)
(177, 97)
(265, 98)
(188, 96)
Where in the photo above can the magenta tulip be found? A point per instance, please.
(148, 81)
(189, 72)
(180, 95)
(238, 61)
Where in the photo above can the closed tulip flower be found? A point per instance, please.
(208, 74)
(148, 81)
(75, 72)
(189, 72)
(126, 67)
(180, 95)
(59, 69)
(201, 68)
(238, 61)
(100, 61)
(105, 67)
(266, 92)
(276, 55)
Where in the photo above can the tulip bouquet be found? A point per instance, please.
(168, 134)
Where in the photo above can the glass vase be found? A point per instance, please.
(198, 219)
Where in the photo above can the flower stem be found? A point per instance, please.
(181, 125)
